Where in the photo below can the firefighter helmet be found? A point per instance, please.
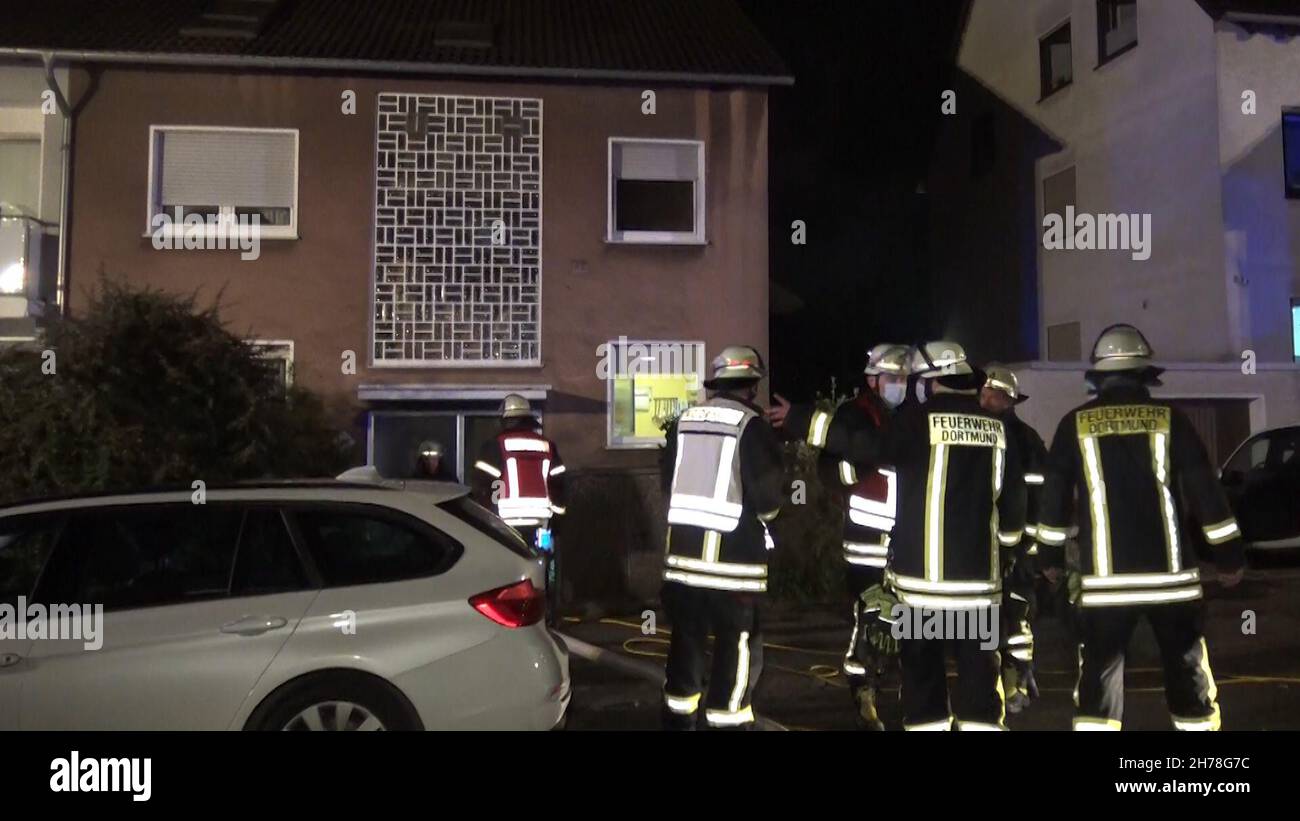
(514, 406)
(736, 364)
(1121, 347)
(888, 358)
(430, 448)
(1001, 378)
(940, 358)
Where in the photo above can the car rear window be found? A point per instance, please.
(490, 525)
(352, 546)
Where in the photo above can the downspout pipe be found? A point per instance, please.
(65, 178)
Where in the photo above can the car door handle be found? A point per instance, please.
(9, 659)
(253, 625)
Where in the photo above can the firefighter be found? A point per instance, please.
(430, 464)
(724, 478)
(519, 473)
(961, 497)
(1000, 396)
(1137, 466)
(868, 519)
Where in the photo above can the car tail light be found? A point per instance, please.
(515, 605)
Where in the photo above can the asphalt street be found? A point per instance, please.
(1258, 672)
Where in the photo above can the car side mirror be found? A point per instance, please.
(1232, 478)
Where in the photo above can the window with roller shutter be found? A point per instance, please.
(226, 174)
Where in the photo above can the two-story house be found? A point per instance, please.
(455, 201)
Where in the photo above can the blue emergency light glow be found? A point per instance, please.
(1295, 330)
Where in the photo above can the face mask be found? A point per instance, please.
(922, 390)
(893, 393)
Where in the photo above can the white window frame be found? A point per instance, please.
(644, 442)
(226, 214)
(695, 237)
(276, 349)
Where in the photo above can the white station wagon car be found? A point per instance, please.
(277, 606)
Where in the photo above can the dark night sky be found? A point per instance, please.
(850, 142)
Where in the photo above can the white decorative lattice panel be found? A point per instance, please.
(458, 231)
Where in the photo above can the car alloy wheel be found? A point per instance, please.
(333, 716)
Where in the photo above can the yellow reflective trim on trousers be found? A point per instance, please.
(1078, 679)
(1096, 505)
(1221, 532)
(1094, 723)
(1211, 723)
(968, 726)
(849, 661)
(728, 718)
(1213, 691)
(930, 726)
(682, 705)
(1002, 694)
(742, 672)
(1160, 464)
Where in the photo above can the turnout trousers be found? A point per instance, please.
(864, 666)
(737, 658)
(1105, 632)
(1019, 608)
(977, 700)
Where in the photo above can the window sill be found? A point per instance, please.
(463, 364)
(179, 236)
(656, 240)
(655, 445)
(1055, 92)
(1110, 58)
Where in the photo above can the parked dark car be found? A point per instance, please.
(1262, 479)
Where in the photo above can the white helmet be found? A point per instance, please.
(514, 406)
(736, 363)
(1121, 347)
(888, 358)
(430, 448)
(940, 359)
(1001, 378)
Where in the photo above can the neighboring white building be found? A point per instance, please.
(1149, 101)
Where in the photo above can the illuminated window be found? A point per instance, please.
(656, 191)
(650, 383)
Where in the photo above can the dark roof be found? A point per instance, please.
(1255, 14)
(700, 41)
